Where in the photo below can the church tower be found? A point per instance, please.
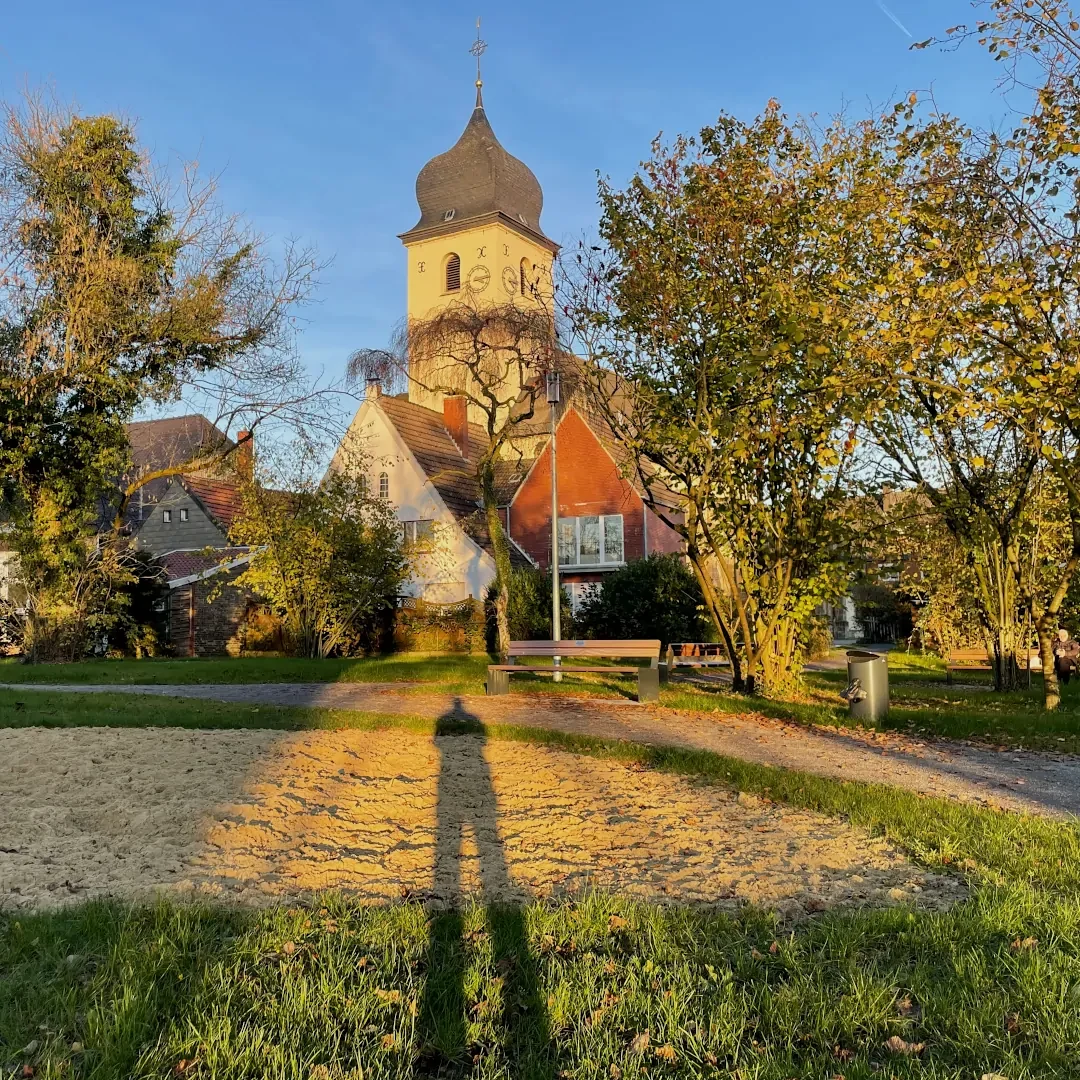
(479, 238)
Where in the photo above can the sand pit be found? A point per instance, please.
(258, 816)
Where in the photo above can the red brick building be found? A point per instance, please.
(603, 521)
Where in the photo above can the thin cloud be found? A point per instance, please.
(892, 18)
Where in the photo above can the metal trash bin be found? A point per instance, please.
(867, 692)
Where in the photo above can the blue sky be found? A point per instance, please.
(318, 115)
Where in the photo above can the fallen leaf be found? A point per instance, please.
(993, 1076)
(757, 955)
(288, 948)
(774, 948)
(27, 1070)
(1012, 1023)
(614, 1072)
(666, 1052)
(640, 1043)
(842, 1054)
(388, 1042)
(897, 1045)
(908, 1006)
(616, 922)
(1027, 943)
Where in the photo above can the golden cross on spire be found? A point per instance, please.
(479, 46)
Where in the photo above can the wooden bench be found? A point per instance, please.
(648, 678)
(696, 654)
(978, 659)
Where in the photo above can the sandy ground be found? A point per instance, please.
(258, 815)
(1008, 779)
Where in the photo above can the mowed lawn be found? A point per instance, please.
(597, 988)
(922, 703)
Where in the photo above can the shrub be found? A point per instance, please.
(655, 597)
(427, 627)
(530, 608)
(816, 638)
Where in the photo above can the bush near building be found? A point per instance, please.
(655, 597)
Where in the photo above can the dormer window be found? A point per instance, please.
(166, 516)
(449, 215)
(453, 273)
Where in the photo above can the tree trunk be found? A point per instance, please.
(1051, 689)
(501, 550)
(698, 564)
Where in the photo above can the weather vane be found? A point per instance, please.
(477, 49)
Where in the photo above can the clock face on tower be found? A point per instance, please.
(479, 278)
(510, 279)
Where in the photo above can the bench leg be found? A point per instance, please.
(648, 684)
(948, 676)
(665, 671)
(498, 682)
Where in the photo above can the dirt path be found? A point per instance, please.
(1019, 780)
(261, 815)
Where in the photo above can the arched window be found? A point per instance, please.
(524, 272)
(453, 273)
(384, 486)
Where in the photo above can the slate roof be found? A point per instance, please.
(163, 444)
(221, 499)
(477, 178)
(451, 474)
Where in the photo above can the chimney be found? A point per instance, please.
(456, 419)
(245, 455)
(373, 389)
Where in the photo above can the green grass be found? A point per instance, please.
(455, 672)
(335, 989)
(922, 703)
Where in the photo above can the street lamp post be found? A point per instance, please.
(553, 395)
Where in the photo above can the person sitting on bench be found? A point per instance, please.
(1066, 655)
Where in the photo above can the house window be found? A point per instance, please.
(166, 516)
(362, 482)
(183, 513)
(595, 540)
(580, 592)
(453, 273)
(384, 486)
(419, 533)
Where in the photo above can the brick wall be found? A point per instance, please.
(206, 618)
(589, 483)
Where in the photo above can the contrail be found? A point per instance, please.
(885, 11)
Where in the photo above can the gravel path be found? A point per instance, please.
(258, 816)
(1018, 780)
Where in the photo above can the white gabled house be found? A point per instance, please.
(420, 462)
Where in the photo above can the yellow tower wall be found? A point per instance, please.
(491, 255)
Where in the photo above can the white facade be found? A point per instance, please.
(457, 567)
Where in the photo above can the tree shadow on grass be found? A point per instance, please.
(513, 1029)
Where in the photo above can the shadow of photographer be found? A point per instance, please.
(519, 1036)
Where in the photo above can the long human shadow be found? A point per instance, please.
(466, 801)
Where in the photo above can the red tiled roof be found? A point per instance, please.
(184, 564)
(222, 499)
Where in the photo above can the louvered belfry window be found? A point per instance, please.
(453, 273)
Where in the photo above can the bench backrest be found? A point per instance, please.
(608, 650)
(980, 655)
(697, 648)
(959, 656)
